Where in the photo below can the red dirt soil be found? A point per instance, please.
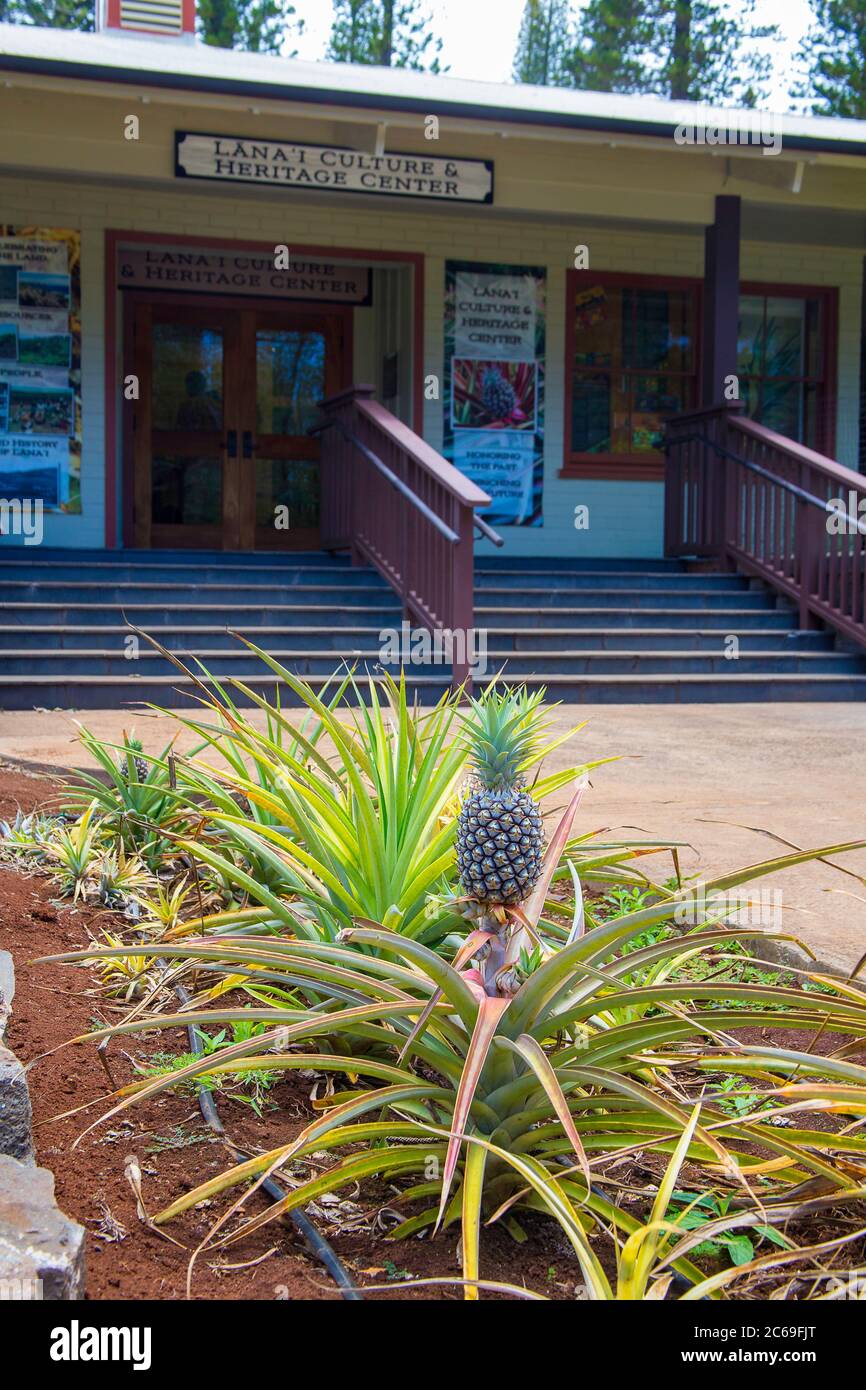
(176, 1150)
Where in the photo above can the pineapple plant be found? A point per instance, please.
(500, 840)
(497, 394)
(134, 747)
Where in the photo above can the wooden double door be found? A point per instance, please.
(219, 443)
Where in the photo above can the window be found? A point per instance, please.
(632, 362)
(633, 357)
(784, 347)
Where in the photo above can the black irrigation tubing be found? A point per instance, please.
(313, 1239)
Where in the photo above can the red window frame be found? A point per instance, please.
(651, 467)
(826, 396)
(646, 466)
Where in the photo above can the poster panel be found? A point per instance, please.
(494, 384)
(40, 366)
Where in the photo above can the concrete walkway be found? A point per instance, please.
(712, 776)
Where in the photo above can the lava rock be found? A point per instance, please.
(7, 991)
(16, 1120)
(41, 1250)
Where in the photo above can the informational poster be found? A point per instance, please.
(494, 384)
(40, 366)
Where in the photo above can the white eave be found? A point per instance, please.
(196, 67)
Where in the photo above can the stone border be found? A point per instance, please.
(16, 1120)
(41, 1250)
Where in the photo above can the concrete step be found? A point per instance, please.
(653, 639)
(232, 595)
(607, 579)
(80, 637)
(241, 618)
(287, 576)
(191, 560)
(502, 560)
(244, 664)
(106, 692)
(184, 577)
(486, 596)
(728, 619)
(227, 595)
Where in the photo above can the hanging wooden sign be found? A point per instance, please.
(283, 164)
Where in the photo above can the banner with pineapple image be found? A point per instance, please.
(40, 366)
(494, 384)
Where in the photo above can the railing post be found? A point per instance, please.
(402, 521)
(673, 501)
(462, 617)
(336, 475)
(809, 546)
(730, 515)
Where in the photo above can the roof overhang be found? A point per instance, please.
(382, 92)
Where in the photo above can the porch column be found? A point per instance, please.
(721, 300)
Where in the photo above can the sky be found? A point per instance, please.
(480, 36)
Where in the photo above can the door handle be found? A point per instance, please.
(248, 444)
(232, 444)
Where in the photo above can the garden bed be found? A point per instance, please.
(430, 1010)
(174, 1147)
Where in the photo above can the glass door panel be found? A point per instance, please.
(292, 484)
(297, 363)
(185, 432)
(290, 380)
(187, 491)
(781, 365)
(187, 390)
(187, 399)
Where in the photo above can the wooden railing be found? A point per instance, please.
(402, 508)
(763, 504)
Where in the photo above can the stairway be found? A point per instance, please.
(592, 631)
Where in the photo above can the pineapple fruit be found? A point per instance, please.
(497, 394)
(500, 840)
(142, 768)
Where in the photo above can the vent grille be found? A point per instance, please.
(160, 16)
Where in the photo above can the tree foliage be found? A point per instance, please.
(384, 33)
(255, 26)
(544, 43)
(707, 51)
(49, 14)
(690, 50)
(612, 42)
(834, 56)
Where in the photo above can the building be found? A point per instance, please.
(197, 245)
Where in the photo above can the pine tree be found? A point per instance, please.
(612, 41)
(543, 43)
(707, 51)
(384, 33)
(353, 35)
(50, 14)
(255, 26)
(834, 55)
(689, 50)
